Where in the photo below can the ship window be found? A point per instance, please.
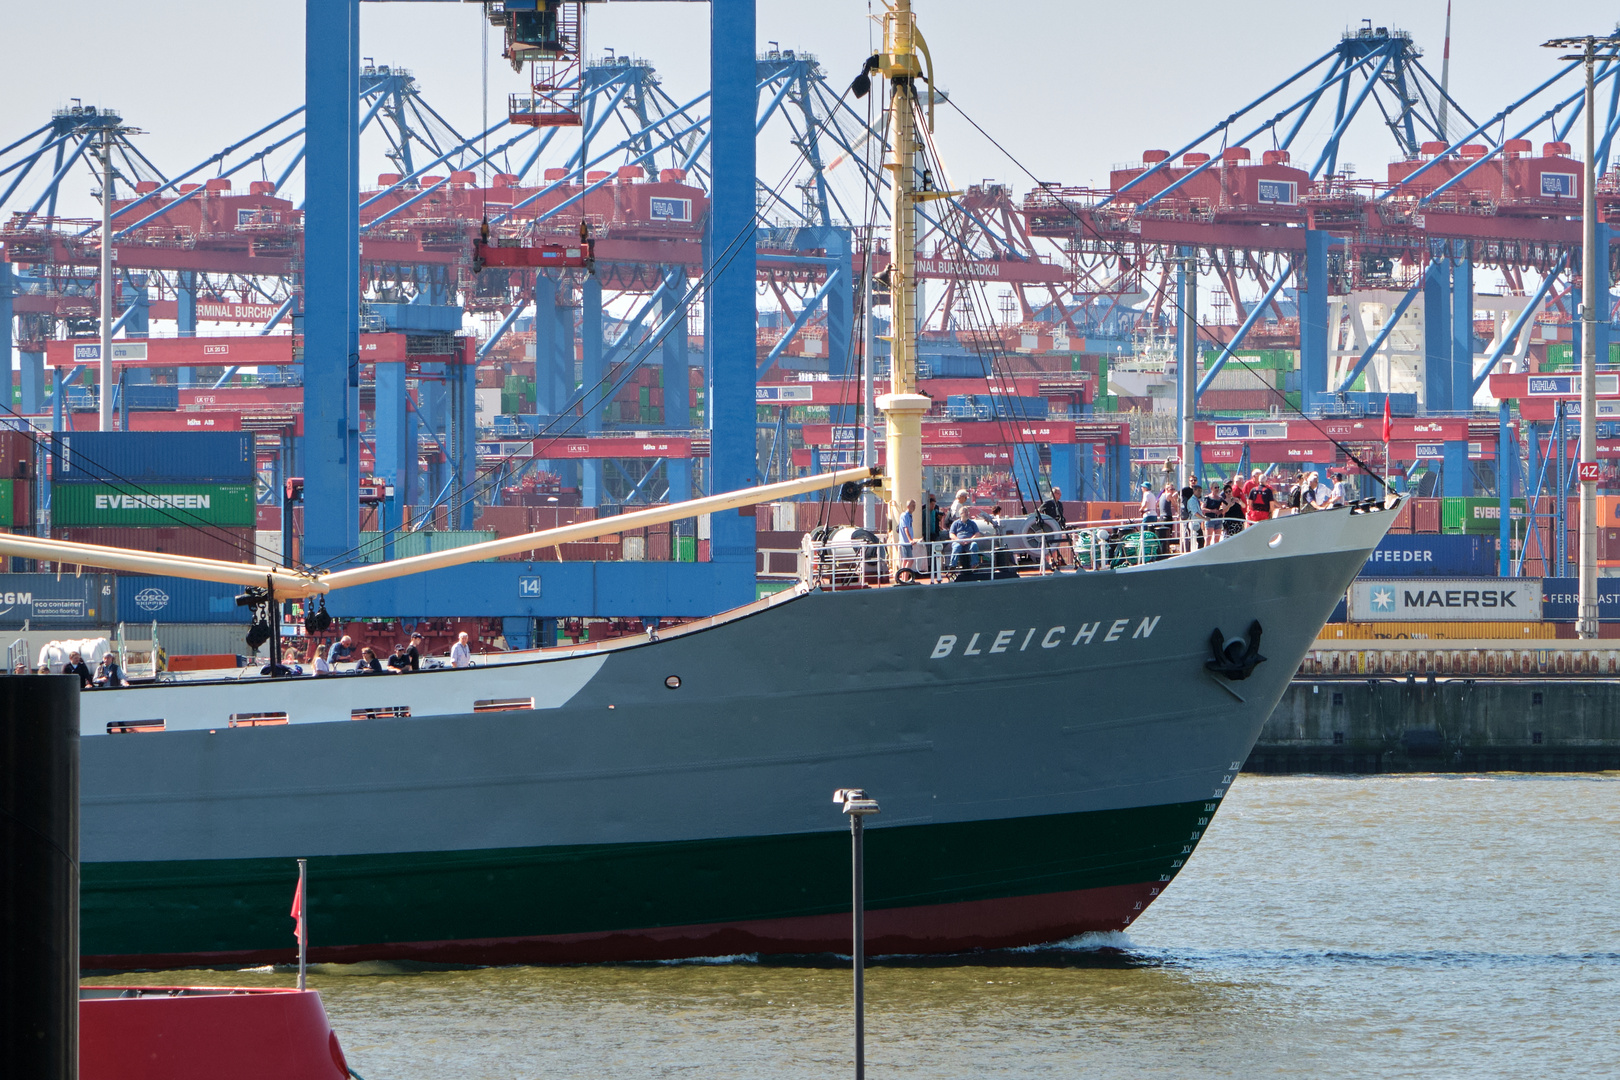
(380, 712)
(125, 727)
(503, 704)
(257, 719)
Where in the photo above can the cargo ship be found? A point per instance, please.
(1049, 739)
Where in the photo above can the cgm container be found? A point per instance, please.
(45, 600)
(143, 598)
(227, 544)
(153, 505)
(152, 456)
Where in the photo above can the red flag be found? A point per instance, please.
(298, 910)
(1387, 425)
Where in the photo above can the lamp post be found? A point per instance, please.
(857, 804)
(1586, 624)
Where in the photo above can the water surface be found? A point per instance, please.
(1326, 927)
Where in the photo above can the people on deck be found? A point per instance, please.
(76, 666)
(460, 652)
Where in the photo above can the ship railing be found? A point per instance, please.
(855, 559)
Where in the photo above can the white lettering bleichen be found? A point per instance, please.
(1051, 639)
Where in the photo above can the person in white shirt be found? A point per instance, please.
(460, 654)
(1150, 503)
(958, 509)
(1337, 496)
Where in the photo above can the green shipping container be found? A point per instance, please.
(153, 505)
(686, 549)
(1476, 515)
(7, 497)
(408, 544)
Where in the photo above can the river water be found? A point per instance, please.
(1326, 927)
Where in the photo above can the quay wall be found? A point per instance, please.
(1420, 724)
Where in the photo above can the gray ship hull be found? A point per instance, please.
(1047, 751)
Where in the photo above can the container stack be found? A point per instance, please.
(178, 493)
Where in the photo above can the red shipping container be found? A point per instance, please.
(1403, 518)
(1426, 515)
(504, 521)
(22, 503)
(229, 545)
(16, 454)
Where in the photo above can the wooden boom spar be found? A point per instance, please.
(291, 584)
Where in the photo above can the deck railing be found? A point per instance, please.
(854, 562)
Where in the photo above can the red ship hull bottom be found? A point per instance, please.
(1013, 922)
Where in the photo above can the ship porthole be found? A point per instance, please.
(1275, 541)
(673, 682)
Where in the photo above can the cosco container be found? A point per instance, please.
(153, 505)
(225, 544)
(1432, 555)
(143, 599)
(152, 456)
(46, 600)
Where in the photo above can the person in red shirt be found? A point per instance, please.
(1260, 498)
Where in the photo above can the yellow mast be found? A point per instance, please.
(901, 62)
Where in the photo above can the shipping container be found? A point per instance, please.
(46, 600)
(153, 505)
(407, 544)
(226, 544)
(144, 598)
(1478, 515)
(1480, 599)
(176, 457)
(1559, 599)
(1432, 555)
(17, 453)
(1400, 631)
(1425, 515)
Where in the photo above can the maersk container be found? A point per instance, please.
(1432, 555)
(144, 599)
(176, 457)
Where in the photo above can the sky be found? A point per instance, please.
(1069, 88)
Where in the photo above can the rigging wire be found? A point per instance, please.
(467, 492)
(1176, 305)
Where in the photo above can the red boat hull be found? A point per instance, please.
(204, 1033)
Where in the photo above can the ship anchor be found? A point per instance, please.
(1236, 658)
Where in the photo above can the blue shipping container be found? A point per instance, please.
(179, 600)
(1426, 555)
(1560, 595)
(176, 457)
(47, 600)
